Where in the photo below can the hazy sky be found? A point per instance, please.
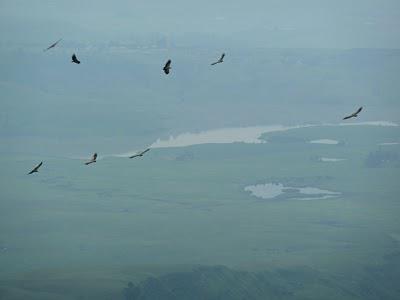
(267, 23)
(121, 93)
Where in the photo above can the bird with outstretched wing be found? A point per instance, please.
(167, 67)
(93, 160)
(52, 45)
(219, 61)
(75, 59)
(140, 154)
(36, 169)
(353, 115)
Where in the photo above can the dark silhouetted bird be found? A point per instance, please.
(75, 59)
(52, 45)
(35, 169)
(140, 154)
(221, 60)
(353, 115)
(93, 160)
(167, 67)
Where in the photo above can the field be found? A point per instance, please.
(77, 232)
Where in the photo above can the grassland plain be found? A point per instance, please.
(73, 231)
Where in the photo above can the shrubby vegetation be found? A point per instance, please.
(222, 283)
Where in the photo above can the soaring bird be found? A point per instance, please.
(167, 67)
(353, 115)
(93, 160)
(140, 154)
(221, 60)
(52, 45)
(35, 169)
(75, 59)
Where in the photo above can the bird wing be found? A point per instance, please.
(220, 60)
(49, 47)
(36, 168)
(353, 114)
(143, 152)
(55, 44)
(168, 64)
(92, 160)
(75, 59)
(52, 45)
(140, 153)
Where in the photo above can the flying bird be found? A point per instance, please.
(52, 45)
(93, 160)
(35, 169)
(167, 67)
(353, 115)
(75, 59)
(140, 154)
(221, 60)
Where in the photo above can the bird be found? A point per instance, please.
(93, 160)
(35, 169)
(353, 115)
(221, 60)
(52, 45)
(167, 67)
(140, 154)
(75, 59)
